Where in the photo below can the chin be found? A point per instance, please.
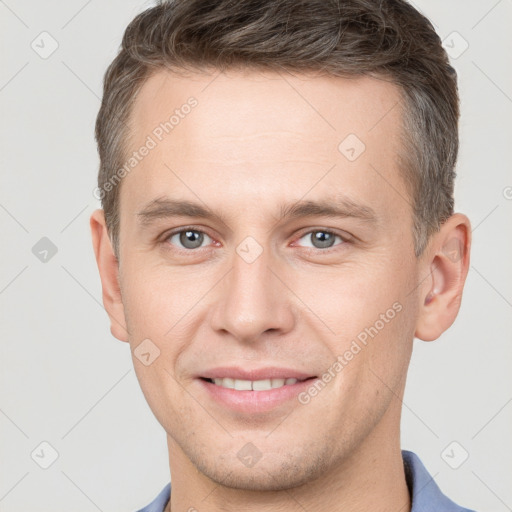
(276, 473)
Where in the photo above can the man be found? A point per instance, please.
(277, 226)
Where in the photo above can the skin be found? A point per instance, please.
(255, 141)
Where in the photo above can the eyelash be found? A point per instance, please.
(344, 239)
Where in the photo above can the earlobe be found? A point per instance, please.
(448, 265)
(109, 274)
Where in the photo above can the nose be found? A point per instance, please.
(253, 300)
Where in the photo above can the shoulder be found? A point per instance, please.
(426, 496)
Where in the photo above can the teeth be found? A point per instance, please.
(227, 382)
(242, 385)
(254, 385)
(277, 383)
(262, 385)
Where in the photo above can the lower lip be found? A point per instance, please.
(255, 401)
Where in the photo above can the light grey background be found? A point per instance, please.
(65, 380)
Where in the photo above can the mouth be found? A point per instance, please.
(265, 392)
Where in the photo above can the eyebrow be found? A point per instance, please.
(342, 207)
(163, 208)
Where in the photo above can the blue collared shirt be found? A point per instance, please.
(425, 494)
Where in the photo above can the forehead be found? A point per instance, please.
(247, 128)
(246, 102)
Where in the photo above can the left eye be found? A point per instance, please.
(189, 238)
(321, 239)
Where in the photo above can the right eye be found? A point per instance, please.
(187, 239)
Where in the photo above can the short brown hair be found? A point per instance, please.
(387, 38)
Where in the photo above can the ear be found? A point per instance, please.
(108, 267)
(447, 261)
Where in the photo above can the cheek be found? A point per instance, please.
(160, 390)
(350, 298)
(158, 300)
(368, 317)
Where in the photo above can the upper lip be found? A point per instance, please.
(235, 372)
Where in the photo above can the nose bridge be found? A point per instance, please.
(251, 300)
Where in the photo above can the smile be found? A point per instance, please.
(254, 392)
(252, 385)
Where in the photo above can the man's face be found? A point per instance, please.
(256, 287)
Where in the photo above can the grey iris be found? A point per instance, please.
(191, 239)
(322, 239)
